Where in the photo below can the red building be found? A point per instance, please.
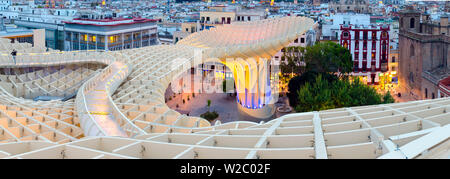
(444, 88)
(369, 48)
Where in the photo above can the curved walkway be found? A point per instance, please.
(98, 105)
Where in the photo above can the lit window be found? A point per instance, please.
(112, 39)
(94, 38)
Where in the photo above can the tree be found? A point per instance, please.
(209, 104)
(292, 61)
(210, 115)
(328, 57)
(387, 98)
(325, 58)
(298, 81)
(323, 94)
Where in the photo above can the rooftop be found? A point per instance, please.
(110, 22)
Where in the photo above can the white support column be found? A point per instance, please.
(123, 41)
(319, 141)
(79, 41)
(106, 43)
(71, 41)
(96, 42)
(87, 42)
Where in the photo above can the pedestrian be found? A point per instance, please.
(14, 53)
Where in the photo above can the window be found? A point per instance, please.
(112, 39)
(411, 23)
(345, 34)
(393, 59)
(426, 93)
(296, 40)
(302, 40)
(187, 29)
(365, 35)
(249, 18)
(411, 50)
(239, 18)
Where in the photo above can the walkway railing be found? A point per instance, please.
(131, 129)
(90, 126)
(54, 58)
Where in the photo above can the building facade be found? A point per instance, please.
(331, 27)
(110, 34)
(424, 48)
(369, 46)
(357, 6)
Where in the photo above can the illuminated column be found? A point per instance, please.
(252, 80)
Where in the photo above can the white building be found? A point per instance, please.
(331, 26)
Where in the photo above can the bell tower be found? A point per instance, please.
(410, 19)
